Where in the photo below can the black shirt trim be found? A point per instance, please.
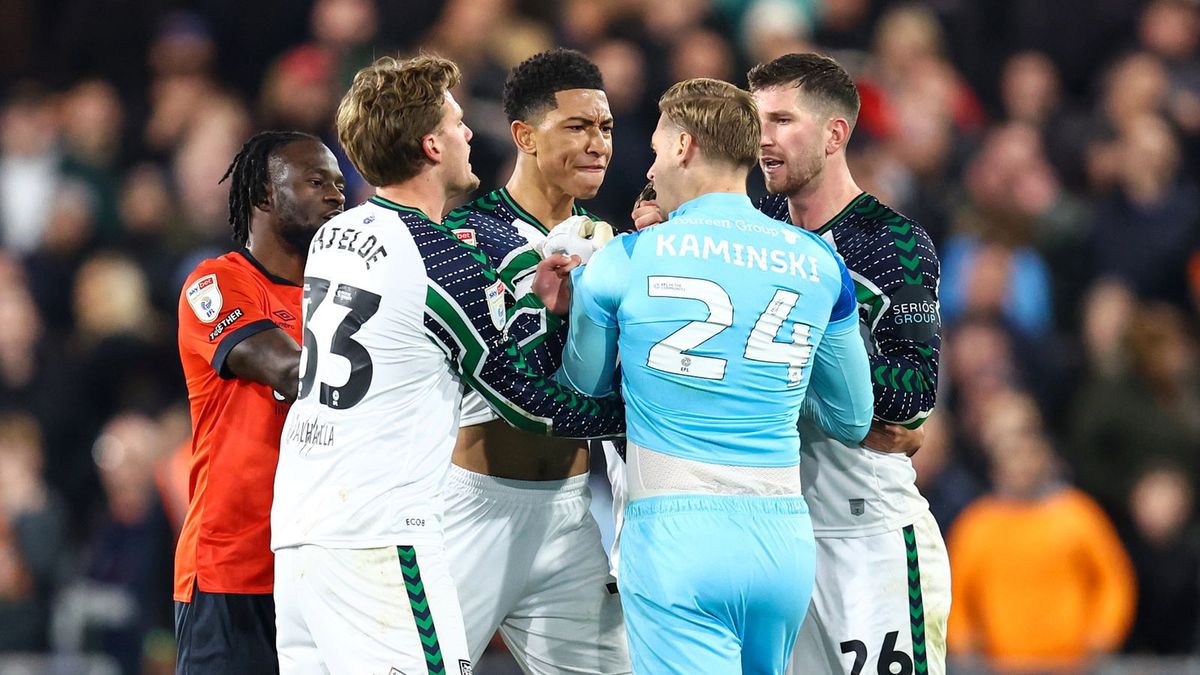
(234, 339)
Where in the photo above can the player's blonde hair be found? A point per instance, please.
(391, 106)
(721, 117)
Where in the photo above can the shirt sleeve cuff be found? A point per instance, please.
(234, 339)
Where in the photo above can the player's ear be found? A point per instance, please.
(267, 205)
(522, 135)
(685, 148)
(838, 133)
(431, 148)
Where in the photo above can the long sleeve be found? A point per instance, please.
(1114, 590)
(465, 316)
(901, 307)
(535, 330)
(839, 397)
(590, 356)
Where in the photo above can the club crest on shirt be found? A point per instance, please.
(204, 296)
(464, 667)
(495, 302)
(467, 236)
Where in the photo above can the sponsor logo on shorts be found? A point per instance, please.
(464, 667)
(228, 321)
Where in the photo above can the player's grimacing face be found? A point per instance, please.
(793, 139)
(307, 190)
(574, 142)
(456, 137)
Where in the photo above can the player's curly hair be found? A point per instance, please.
(249, 175)
(817, 76)
(530, 87)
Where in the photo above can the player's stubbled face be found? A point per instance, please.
(307, 190)
(793, 140)
(456, 146)
(574, 142)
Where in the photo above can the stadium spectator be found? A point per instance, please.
(129, 555)
(32, 537)
(1165, 548)
(1041, 582)
(1151, 410)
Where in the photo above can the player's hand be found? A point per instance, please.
(577, 236)
(645, 209)
(646, 214)
(893, 438)
(552, 282)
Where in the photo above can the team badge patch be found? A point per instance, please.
(495, 301)
(467, 236)
(464, 667)
(204, 296)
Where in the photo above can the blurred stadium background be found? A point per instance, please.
(1051, 150)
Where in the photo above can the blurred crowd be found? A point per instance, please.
(1051, 149)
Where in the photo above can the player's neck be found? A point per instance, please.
(703, 183)
(823, 198)
(422, 192)
(530, 189)
(276, 255)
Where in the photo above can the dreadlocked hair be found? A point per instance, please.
(249, 175)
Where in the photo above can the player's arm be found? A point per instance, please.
(458, 319)
(839, 397)
(901, 308)
(515, 260)
(589, 360)
(223, 318)
(271, 357)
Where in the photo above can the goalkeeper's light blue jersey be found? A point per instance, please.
(721, 315)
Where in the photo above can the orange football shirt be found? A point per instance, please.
(225, 545)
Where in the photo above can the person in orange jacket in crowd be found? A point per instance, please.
(1041, 582)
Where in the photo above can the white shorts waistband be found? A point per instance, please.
(511, 489)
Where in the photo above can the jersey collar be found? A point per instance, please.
(396, 206)
(714, 201)
(862, 196)
(506, 197)
(245, 253)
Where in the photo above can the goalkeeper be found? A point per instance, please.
(524, 549)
